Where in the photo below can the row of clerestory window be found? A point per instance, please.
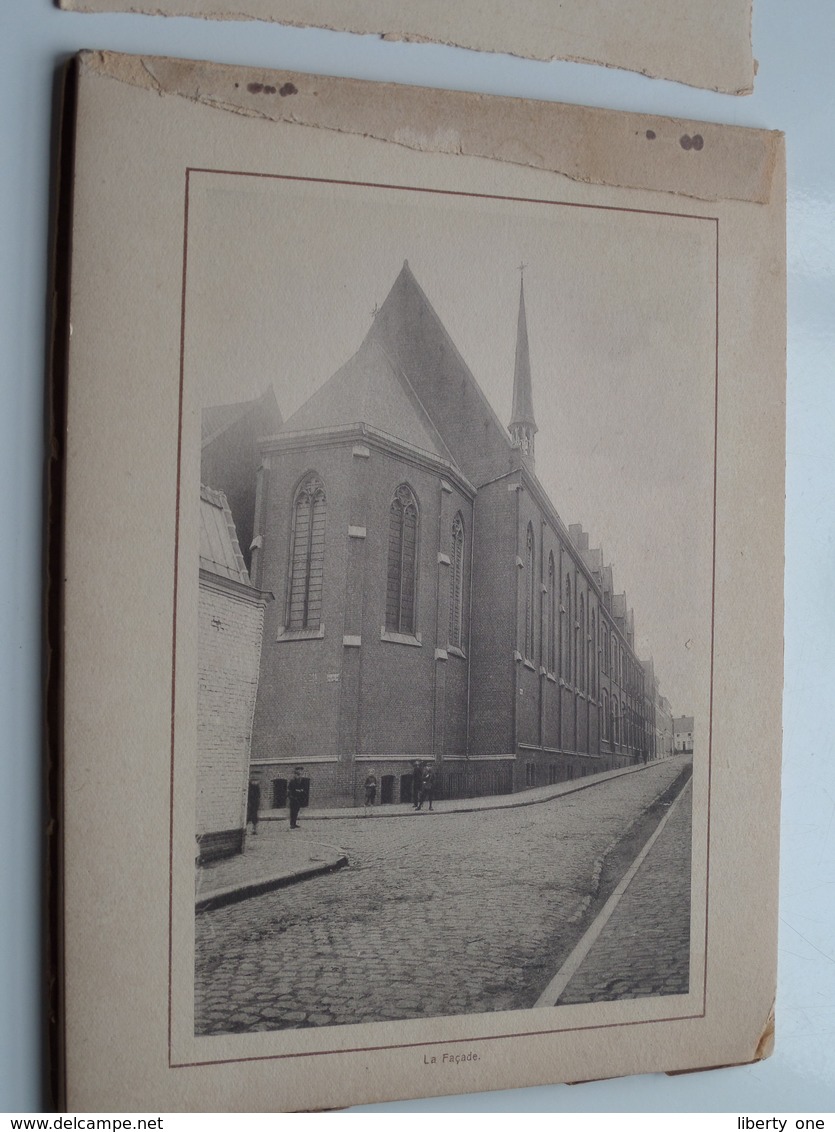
(307, 553)
(568, 627)
(621, 724)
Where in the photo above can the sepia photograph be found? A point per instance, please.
(454, 619)
(424, 496)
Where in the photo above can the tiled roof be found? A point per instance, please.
(370, 389)
(219, 550)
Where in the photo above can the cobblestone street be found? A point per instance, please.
(435, 914)
(644, 949)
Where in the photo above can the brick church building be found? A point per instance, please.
(429, 601)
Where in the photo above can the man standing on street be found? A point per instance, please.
(296, 795)
(370, 789)
(417, 781)
(427, 787)
(253, 803)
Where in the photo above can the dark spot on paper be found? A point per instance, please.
(698, 141)
(685, 141)
(288, 88)
(237, 85)
(651, 135)
(260, 88)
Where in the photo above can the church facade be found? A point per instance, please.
(430, 604)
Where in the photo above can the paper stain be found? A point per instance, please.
(581, 143)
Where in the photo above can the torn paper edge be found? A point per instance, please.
(736, 81)
(701, 160)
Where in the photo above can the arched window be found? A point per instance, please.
(307, 552)
(593, 675)
(401, 587)
(583, 651)
(613, 719)
(605, 714)
(622, 669)
(614, 659)
(456, 583)
(552, 612)
(605, 649)
(568, 633)
(530, 594)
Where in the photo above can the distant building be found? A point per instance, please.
(683, 733)
(663, 727)
(659, 714)
(430, 602)
(229, 630)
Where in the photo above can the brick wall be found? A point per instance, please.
(353, 693)
(229, 645)
(493, 621)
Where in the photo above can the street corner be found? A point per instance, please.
(268, 863)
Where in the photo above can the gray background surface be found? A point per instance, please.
(795, 92)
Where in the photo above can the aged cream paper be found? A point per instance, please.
(226, 223)
(705, 43)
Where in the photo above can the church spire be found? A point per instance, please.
(522, 424)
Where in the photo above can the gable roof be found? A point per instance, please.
(419, 346)
(371, 389)
(220, 553)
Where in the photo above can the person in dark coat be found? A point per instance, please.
(427, 787)
(253, 801)
(296, 793)
(370, 788)
(417, 782)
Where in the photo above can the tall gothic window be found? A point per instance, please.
(530, 595)
(605, 650)
(304, 602)
(615, 720)
(456, 583)
(593, 676)
(605, 714)
(568, 622)
(581, 655)
(552, 616)
(401, 584)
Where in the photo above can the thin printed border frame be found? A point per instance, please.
(189, 170)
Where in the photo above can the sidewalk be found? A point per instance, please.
(273, 860)
(267, 863)
(469, 805)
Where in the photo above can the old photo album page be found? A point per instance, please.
(424, 480)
